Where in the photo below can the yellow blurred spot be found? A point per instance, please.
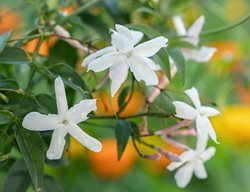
(233, 125)
(236, 9)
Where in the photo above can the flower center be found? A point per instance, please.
(129, 53)
(65, 122)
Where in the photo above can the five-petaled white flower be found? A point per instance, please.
(124, 55)
(192, 161)
(200, 113)
(202, 54)
(64, 122)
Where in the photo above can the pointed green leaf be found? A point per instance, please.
(122, 96)
(31, 147)
(47, 102)
(10, 84)
(122, 134)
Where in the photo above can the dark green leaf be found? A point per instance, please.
(135, 130)
(70, 78)
(47, 102)
(18, 179)
(179, 60)
(62, 52)
(5, 143)
(122, 133)
(50, 184)
(31, 147)
(122, 96)
(13, 55)
(10, 84)
(164, 61)
(3, 40)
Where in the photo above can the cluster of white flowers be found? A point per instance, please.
(123, 55)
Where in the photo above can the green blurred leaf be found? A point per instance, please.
(5, 143)
(122, 133)
(122, 96)
(10, 84)
(3, 40)
(50, 184)
(71, 78)
(62, 52)
(18, 179)
(147, 30)
(179, 60)
(164, 62)
(13, 55)
(31, 147)
(46, 102)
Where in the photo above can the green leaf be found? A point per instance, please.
(10, 84)
(18, 179)
(3, 40)
(149, 31)
(13, 55)
(122, 133)
(50, 184)
(122, 96)
(31, 147)
(70, 78)
(5, 143)
(164, 61)
(179, 60)
(46, 102)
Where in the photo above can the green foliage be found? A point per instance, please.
(122, 134)
(14, 56)
(31, 146)
(3, 40)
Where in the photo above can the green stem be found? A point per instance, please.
(227, 28)
(76, 12)
(32, 37)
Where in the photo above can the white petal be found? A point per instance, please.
(57, 143)
(105, 61)
(61, 100)
(37, 122)
(79, 112)
(184, 175)
(204, 126)
(194, 31)
(201, 55)
(185, 156)
(118, 74)
(152, 64)
(194, 96)
(179, 25)
(97, 54)
(122, 42)
(151, 47)
(142, 71)
(86, 140)
(136, 36)
(208, 154)
(200, 170)
(184, 110)
(209, 111)
(201, 143)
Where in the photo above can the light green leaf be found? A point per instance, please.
(3, 40)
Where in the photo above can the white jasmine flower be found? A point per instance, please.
(124, 55)
(200, 113)
(192, 162)
(202, 54)
(64, 122)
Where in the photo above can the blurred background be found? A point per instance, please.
(223, 80)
